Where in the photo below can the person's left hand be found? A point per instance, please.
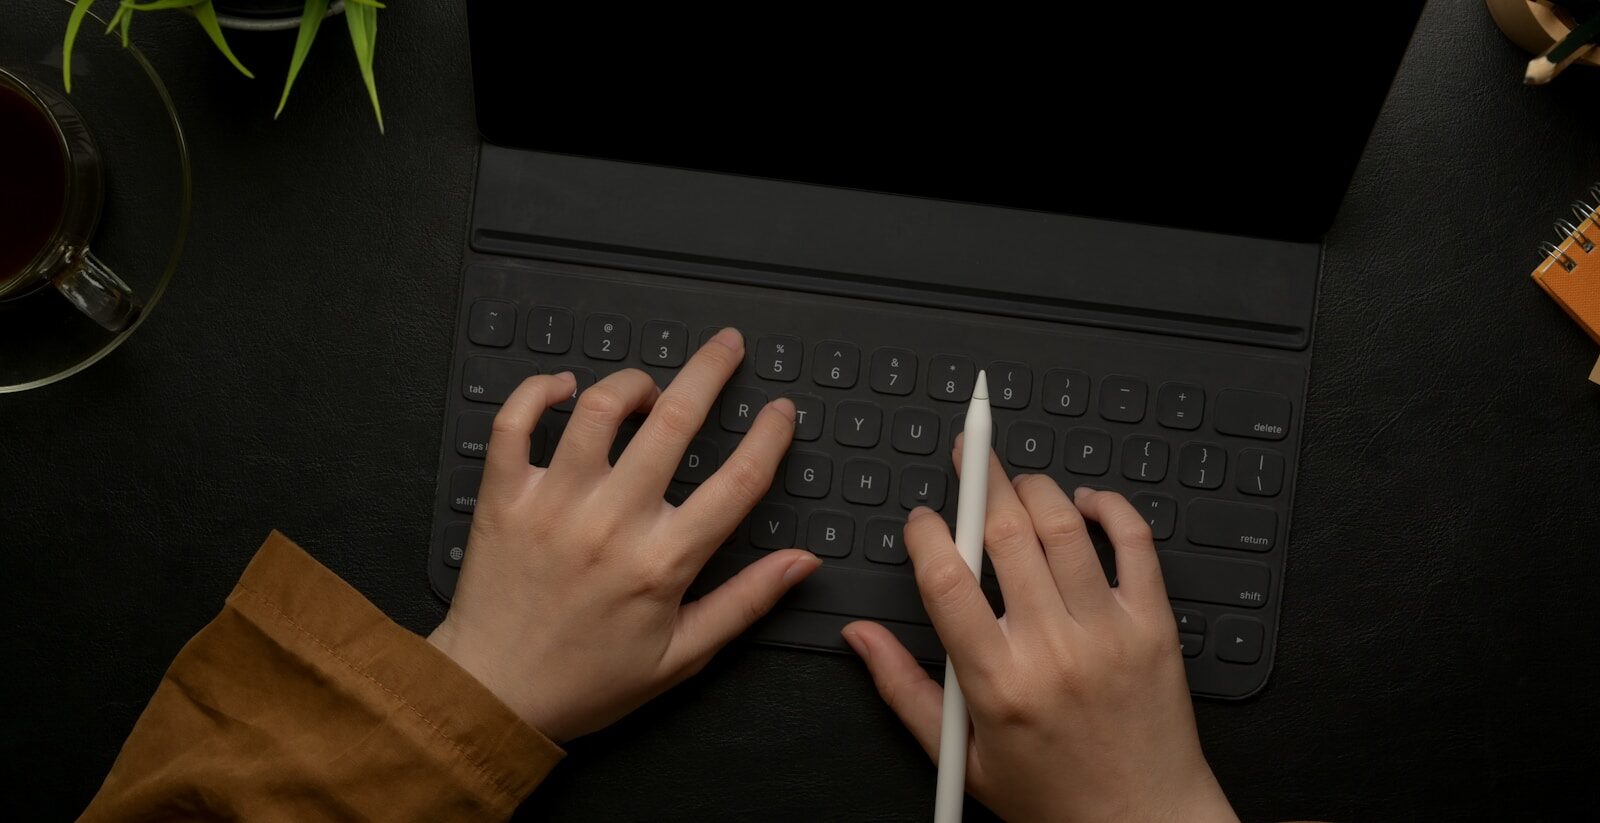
(569, 606)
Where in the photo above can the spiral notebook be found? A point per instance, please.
(1570, 270)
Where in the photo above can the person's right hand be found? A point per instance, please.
(1080, 709)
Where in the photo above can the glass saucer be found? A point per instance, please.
(147, 178)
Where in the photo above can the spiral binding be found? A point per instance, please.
(1566, 230)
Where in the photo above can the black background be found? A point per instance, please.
(1437, 656)
(1204, 115)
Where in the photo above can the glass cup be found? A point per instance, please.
(66, 177)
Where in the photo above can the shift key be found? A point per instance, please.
(1231, 525)
(1217, 580)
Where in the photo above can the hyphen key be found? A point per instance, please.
(1261, 415)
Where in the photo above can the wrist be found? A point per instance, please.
(1204, 802)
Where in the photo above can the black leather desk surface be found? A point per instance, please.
(1438, 655)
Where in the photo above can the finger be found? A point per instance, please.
(916, 698)
(715, 509)
(1019, 562)
(648, 463)
(1138, 570)
(507, 461)
(1070, 553)
(960, 613)
(586, 443)
(707, 624)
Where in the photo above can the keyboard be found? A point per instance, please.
(1200, 436)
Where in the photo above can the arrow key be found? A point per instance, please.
(1239, 639)
(1189, 622)
(1191, 644)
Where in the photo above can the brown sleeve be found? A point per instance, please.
(302, 701)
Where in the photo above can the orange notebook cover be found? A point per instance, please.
(1570, 271)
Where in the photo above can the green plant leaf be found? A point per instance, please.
(373, 3)
(363, 22)
(207, 15)
(158, 5)
(310, 21)
(116, 18)
(74, 22)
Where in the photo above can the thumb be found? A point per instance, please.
(707, 624)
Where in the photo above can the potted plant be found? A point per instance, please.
(361, 16)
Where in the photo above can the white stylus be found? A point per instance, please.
(972, 502)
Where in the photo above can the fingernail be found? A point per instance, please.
(920, 511)
(785, 406)
(1081, 491)
(566, 375)
(854, 641)
(730, 337)
(799, 568)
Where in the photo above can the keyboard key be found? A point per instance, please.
(677, 493)
(1144, 458)
(959, 422)
(492, 323)
(1088, 451)
(778, 358)
(464, 489)
(550, 330)
(875, 595)
(472, 433)
(1180, 405)
(914, 431)
(772, 526)
(1030, 445)
(538, 444)
(1160, 511)
(894, 371)
(1189, 621)
(808, 416)
(664, 343)
(808, 474)
(837, 365)
(1122, 399)
(1239, 639)
(625, 435)
(583, 378)
(1010, 385)
(951, 378)
(830, 534)
(866, 481)
(1260, 472)
(1191, 644)
(1066, 392)
(884, 540)
(922, 486)
(605, 336)
(492, 379)
(455, 543)
(859, 424)
(1231, 525)
(699, 462)
(546, 436)
(1253, 414)
(739, 407)
(1205, 579)
(1202, 465)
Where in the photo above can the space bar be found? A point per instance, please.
(853, 592)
